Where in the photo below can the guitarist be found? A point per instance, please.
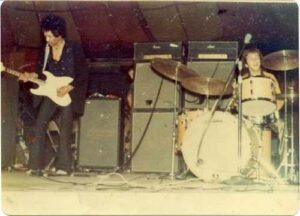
(64, 58)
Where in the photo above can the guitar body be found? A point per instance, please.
(49, 88)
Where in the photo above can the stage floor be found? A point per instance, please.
(143, 194)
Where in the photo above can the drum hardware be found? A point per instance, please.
(290, 96)
(176, 71)
(240, 113)
(228, 107)
(174, 121)
(288, 151)
(247, 39)
(263, 121)
(263, 155)
(285, 60)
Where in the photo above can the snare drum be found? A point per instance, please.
(258, 96)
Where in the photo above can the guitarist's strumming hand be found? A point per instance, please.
(62, 91)
(26, 76)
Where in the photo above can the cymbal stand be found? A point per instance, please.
(207, 95)
(292, 150)
(172, 174)
(288, 161)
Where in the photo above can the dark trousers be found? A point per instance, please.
(63, 157)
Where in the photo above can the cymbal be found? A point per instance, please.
(282, 60)
(167, 68)
(206, 86)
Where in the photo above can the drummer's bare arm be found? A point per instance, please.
(279, 103)
(276, 85)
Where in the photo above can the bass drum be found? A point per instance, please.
(218, 154)
(184, 120)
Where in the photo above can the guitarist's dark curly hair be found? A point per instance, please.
(55, 24)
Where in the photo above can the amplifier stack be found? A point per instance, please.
(153, 106)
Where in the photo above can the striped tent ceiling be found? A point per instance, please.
(109, 29)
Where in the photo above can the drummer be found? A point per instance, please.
(252, 59)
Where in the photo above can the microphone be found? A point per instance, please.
(240, 65)
(247, 38)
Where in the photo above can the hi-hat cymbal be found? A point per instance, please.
(206, 86)
(167, 68)
(282, 60)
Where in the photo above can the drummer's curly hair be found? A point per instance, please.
(55, 24)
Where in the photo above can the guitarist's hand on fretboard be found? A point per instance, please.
(27, 76)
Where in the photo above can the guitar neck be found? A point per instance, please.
(17, 74)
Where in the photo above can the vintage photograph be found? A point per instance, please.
(150, 107)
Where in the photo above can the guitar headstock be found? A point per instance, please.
(2, 68)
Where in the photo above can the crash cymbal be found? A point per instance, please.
(205, 86)
(282, 60)
(167, 68)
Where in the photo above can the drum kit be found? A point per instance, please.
(208, 139)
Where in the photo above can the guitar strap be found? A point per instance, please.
(47, 50)
(37, 99)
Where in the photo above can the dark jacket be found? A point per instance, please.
(79, 72)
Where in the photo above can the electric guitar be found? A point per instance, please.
(46, 87)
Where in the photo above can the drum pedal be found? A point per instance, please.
(184, 175)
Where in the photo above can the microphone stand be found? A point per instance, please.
(240, 80)
(213, 110)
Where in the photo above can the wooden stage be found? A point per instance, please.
(143, 194)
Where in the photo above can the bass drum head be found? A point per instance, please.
(219, 150)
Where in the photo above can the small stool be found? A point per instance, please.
(53, 127)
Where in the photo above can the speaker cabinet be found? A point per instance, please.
(146, 89)
(99, 138)
(217, 69)
(155, 151)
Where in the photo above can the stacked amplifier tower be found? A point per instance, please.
(153, 109)
(154, 103)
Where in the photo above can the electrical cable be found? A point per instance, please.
(145, 130)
